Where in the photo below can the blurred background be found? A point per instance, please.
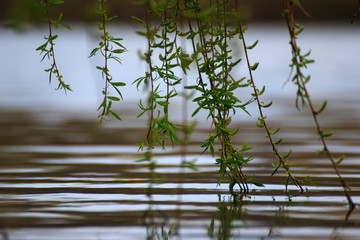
(256, 10)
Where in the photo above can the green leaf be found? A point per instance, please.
(65, 26)
(142, 33)
(191, 35)
(262, 91)
(322, 108)
(340, 159)
(115, 115)
(42, 47)
(307, 179)
(111, 18)
(113, 98)
(276, 166)
(196, 111)
(226, 130)
(58, 20)
(266, 105)
(277, 142)
(245, 147)
(212, 148)
(326, 134)
(52, 38)
(93, 52)
(288, 154)
(185, 61)
(138, 20)
(254, 45)
(298, 31)
(163, 103)
(260, 124)
(254, 67)
(173, 136)
(118, 84)
(100, 121)
(257, 184)
(275, 131)
(118, 51)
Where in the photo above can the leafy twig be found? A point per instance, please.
(262, 122)
(106, 48)
(47, 49)
(300, 61)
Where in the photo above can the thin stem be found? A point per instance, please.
(106, 49)
(151, 97)
(166, 63)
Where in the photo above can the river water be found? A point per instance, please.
(62, 178)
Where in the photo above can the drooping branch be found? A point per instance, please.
(48, 48)
(299, 62)
(262, 122)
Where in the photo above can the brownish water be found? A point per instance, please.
(61, 178)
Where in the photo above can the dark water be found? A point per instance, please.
(65, 179)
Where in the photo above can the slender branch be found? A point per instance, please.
(151, 97)
(269, 135)
(106, 70)
(166, 62)
(301, 84)
(51, 52)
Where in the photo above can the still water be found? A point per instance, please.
(62, 178)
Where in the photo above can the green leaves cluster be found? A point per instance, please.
(47, 49)
(210, 36)
(162, 40)
(110, 48)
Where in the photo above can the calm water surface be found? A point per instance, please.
(72, 181)
(62, 178)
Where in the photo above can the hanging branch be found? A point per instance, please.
(262, 122)
(106, 48)
(149, 75)
(213, 60)
(299, 62)
(160, 127)
(48, 47)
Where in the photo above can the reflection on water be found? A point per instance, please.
(85, 187)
